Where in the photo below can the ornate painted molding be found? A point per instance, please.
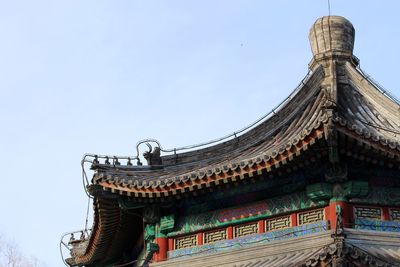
(319, 191)
(377, 225)
(249, 240)
(338, 191)
(387, 196)
(167, 223)
(241, 214)
(149, 232)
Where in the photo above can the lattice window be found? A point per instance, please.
(214, 236)
(243, 230)
(311, 216)
(367, 213)
(394, 214)
(277, 223)
(186, 241)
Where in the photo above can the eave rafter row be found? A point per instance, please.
(223, 174)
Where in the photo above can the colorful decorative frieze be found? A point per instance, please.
(186, 242)
(377, 225)
(286, 184)
(167, 223)
(242, 214)
(319, 191)
(249, 240)
(149, 232)
(368, 213)
(355, 189)
(349, 189)
(277, 223)
(394, 214)
(243, 230)
(310, 216)
(386, 196)
(214, 236)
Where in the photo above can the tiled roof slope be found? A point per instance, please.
(279, 139)
(335, 96)
(363, 109)
(359, 109)
(114, 232)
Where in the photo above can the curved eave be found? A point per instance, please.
(366, 111)
(290, 108)
(273, 143)
(292, 129)
(111, 235)
(219, 174)
(95, 245)
(379, 142)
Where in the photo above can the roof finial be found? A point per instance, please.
(332, 36)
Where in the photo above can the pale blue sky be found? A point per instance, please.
(97, 76)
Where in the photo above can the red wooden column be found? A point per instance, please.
(170, 244)
(261, 226)
(161, 254)
(330, 212)
(293, 219)
(229, 233)
(385, 214)
(162, 241)
(199, 239)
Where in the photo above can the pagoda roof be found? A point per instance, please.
(345, 100)
(335, 98)
(292, 129)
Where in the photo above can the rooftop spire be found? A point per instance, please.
(332, 37)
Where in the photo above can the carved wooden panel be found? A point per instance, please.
(243, 230)
(394, 214)
(368, 213)
(277, 223)
(310, 216)
(186, 241)
(214, 236)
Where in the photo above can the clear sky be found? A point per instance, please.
(97, 76)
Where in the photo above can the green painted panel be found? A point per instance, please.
(319, 191)
(356, 189)
(254, 211)
(149, 232)
(388, 196)
(167, 223)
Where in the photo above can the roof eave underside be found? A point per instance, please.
(112, 233)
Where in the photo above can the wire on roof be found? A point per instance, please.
(378, 86)
(235, 134)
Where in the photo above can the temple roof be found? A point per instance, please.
(292, 129)
(335, 96)
(336, 103)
